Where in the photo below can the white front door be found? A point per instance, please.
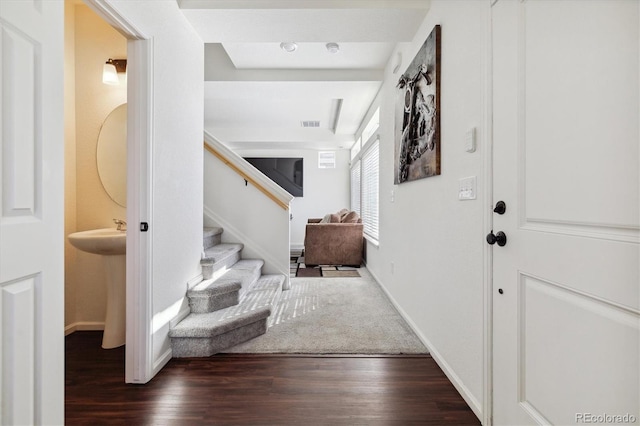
(31, 213)
(566, 297)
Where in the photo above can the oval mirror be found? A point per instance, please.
(112, 155)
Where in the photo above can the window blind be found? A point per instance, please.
(370, 171)
(355, 188)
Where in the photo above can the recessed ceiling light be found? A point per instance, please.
(333, 47)
(288, 46)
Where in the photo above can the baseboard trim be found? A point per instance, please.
(194, 281)
(83, 326)
(473, 403)
(161, 362)
(181, 315)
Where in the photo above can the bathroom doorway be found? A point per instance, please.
(95, 33)
(89, 43)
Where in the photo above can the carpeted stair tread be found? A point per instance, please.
(209, 333)
(211, 295)
(213, 287)
(211, 231)
(245, 264)
(219, 258)
(222, 251)
(227, 288)
(216, 323)
(211, 236)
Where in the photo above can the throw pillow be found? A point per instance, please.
(335, 218)
(326, 218)
(351, 217)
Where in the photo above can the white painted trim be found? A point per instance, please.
(297, 246)
(374, 242)
(111, 15)
(487, 198)
(473, 403)
(186, 310)
(194, 281)
(260, 251)
(84, 326)
(139, 354)
(161, 361)
(181, 315)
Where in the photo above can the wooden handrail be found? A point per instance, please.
(246, 177)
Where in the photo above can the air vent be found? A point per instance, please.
(310, 123)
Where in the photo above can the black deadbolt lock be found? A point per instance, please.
(501, 207)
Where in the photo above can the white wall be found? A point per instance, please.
(89, 42)
(434, 241)
(177, 163)
(325, 190)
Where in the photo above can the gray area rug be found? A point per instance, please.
(335, 316)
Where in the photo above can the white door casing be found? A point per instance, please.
(139, 365)
(31, 213)
(566, 328)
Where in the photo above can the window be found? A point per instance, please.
(355, 149)
(372, 126)
(370, 182)
(327, 160)
(365, 166)
(355, 188)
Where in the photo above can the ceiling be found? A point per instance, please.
(259, 96)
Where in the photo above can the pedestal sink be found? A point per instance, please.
(111, 244)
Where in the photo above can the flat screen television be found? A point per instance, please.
(286, 172)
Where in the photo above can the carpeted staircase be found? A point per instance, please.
(231, 304)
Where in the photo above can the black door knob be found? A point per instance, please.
(501, 207)
(499, 238)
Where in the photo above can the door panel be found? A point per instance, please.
(566, 160)
(589, 336)
(31, 213)
(18, 337)
(19, 149)
(578, 90)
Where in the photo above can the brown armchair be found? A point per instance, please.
(333, 243)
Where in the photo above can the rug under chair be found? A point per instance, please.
(299, 269)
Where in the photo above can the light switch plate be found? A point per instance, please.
(467, 188)
(470, 140)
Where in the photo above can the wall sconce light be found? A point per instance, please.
(111, 69)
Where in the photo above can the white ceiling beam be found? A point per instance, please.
(305, 25)
(280, 138)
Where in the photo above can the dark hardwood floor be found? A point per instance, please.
(259, 390)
